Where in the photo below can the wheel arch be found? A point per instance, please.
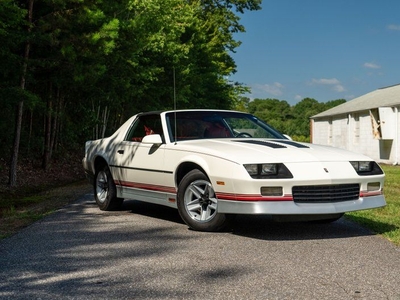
(185, 168)
(98, 162)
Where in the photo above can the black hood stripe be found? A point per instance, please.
(291, 143)
(276, 144)
(263, 143)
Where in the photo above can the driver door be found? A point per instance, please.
(139, 166)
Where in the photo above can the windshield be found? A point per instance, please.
(217, 124)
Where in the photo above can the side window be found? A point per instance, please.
(145, 125)
(136, 132)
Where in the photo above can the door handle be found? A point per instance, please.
(120, 151)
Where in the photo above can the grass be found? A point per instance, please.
(384, 221)
(18, 210)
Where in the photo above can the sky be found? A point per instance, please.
(321, 49)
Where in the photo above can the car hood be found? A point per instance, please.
(268, 150)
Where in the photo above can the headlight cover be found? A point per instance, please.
(268, 171)
(366, 168)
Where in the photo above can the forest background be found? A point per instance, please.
(75, 70)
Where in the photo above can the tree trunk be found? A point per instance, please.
(55, 124)
(17, 135)
(20, 107)
(106, 114)
(59, 121)
(30, 131)
(47, 131)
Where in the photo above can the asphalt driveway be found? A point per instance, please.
(146, 252)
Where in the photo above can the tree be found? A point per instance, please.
(209, 62)
(12, 36)
(275, 112)
(242, 104)
(93, 63)
(333, 103)
(291, 120)
(302, 112)
(20, 105)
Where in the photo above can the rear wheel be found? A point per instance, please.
(105, 192)
(197, 203)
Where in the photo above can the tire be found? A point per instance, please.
(197, 203)
(105, 192)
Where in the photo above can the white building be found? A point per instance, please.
(369, 124)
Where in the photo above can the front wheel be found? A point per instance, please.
(105, 192)
(197, 203)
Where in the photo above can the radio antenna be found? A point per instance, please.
(175, 133)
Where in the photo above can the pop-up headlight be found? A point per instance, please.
(269, 170)
(366, 168)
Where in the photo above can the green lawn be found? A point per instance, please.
(384, 221)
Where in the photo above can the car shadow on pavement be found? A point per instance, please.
(260, 226)
(152, 211)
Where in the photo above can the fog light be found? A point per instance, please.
(271, 191)
(373, 186)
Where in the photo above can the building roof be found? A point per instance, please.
(386, 96)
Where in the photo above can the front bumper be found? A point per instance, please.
(293, 208)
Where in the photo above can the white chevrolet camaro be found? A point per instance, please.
(214, 164)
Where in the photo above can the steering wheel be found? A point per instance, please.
(243, 134)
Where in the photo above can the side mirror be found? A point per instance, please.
(152, 139)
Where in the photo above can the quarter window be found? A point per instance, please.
(144, 125)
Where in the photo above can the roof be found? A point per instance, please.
(386, 96)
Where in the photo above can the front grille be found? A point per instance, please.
(326, 193)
